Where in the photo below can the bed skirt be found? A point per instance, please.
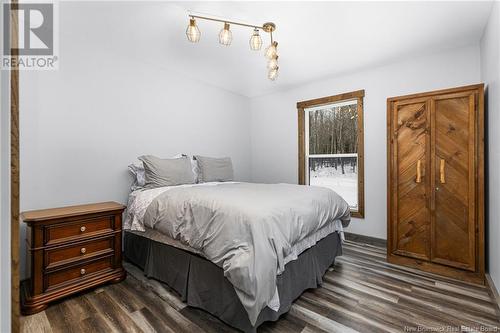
(202, 284)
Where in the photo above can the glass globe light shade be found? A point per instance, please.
(273, 63)
(255, 41)
(225, 35)
(271, 50)
(192, 32)
(273, 74)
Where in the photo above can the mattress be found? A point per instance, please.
(298, 248)
(164, 239)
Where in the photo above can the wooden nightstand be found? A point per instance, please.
(71, 249)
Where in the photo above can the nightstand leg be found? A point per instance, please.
(120, 278)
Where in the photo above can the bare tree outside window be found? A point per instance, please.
(332, 147)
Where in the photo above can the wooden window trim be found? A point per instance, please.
(331, 99)
(353, 95)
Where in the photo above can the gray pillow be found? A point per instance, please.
(215, 169)
(167, 172)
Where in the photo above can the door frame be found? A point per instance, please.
(14, 173)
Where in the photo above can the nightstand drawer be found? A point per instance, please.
(80, 272)
(63, 255)
(69, 231)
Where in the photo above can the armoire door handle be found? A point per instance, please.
(419, 172)
(441, 171)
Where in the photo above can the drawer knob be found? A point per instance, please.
(82, 228)
(83, 271)
(83, 250)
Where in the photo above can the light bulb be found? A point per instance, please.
(225, 35)
(273, 74)
(255, 40)
(192, 32)
(273, 63)
(271, 50)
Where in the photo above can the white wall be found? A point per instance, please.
(490, 74)
(84, 123)
(274, 121)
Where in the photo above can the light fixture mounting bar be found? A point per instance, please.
(225, 36)
(267, 27)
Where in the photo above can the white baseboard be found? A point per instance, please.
(493, 289)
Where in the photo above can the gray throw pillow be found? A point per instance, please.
(167, 172)
(215, 169)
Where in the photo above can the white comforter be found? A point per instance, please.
(250, 230)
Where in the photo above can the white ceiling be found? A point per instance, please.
(316, 39)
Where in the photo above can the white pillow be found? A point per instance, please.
(196, 169)
(194, 166)
(137, 170)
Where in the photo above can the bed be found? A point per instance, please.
(241, 251)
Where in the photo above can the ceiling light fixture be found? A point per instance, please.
(225, 37)
(192, 32)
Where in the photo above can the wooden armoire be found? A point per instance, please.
(436, 182)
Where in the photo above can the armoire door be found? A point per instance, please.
(411, 181)
(453, 144)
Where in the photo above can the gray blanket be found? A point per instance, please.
(247, 229)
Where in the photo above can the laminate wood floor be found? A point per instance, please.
(361, 293)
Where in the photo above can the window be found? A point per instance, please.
(331, 146)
